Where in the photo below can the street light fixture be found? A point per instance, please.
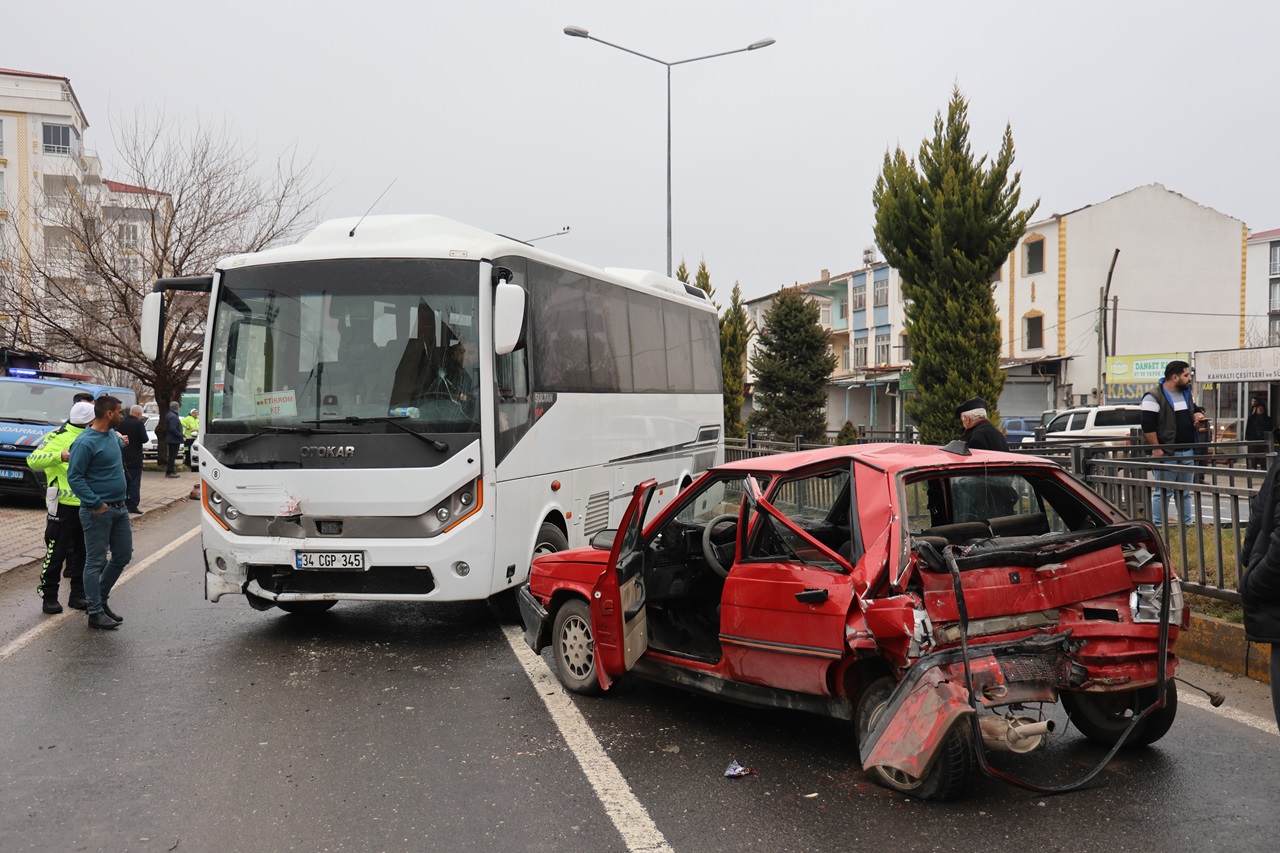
(579, 32)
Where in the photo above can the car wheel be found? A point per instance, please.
(305, 608)
(574, 649)
(1103, 717)
(954, 769)
(550, 540)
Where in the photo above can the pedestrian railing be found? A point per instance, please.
(1219, 479)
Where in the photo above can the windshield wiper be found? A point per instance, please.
(32, 421)
(391, 420)
(271, 430)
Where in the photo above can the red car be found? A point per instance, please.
(936, 599)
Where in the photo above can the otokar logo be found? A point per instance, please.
(330, 452)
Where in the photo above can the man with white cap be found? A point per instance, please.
(63, 536)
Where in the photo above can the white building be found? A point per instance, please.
(1179, 281)
(1263, 288)
(42, 160)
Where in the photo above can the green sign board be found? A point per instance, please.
(906, 380)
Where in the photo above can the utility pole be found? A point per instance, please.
(1101, 396)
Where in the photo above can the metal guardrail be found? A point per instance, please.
(1224, 477)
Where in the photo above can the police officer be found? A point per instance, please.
(190, 428)
(63, 536)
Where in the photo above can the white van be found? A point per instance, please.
(1094, 422)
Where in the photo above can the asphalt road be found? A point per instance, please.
(395, 727)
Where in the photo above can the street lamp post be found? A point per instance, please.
(579, 32)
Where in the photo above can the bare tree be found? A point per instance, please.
(189, 194)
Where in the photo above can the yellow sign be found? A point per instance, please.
(1141, 368)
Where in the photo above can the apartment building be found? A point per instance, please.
(43, 160)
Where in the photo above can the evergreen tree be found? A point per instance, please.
(682, 272)
(791, 366)
(947, 226)
(703, 281)
(848, 434)
(735, 333)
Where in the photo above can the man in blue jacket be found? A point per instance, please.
(95, 472)
(172, 436)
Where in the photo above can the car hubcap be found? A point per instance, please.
(577, 649)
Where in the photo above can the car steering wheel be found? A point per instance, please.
(709, 549)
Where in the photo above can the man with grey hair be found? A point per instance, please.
(979, 433)
(134, 429)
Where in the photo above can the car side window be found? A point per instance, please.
(819, 505)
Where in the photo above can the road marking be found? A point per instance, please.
(1231, 713)
(53, 621)
(629, 816)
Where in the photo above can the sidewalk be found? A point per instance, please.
(22, 528)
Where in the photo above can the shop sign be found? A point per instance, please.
(1260, 364)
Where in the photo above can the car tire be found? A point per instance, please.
(1103, 717)
(550, 540)
(953, 771)
(305, 608)
(573, 649)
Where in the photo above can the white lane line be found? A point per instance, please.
(629, 817)
(1230, 713)
(52, 622)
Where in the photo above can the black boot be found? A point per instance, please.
(102, 620)
(52, 606)
(107, 610)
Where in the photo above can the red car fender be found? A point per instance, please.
(910, 739)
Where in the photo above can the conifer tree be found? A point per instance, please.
(792, 364)
(735, 333)
(703, 281)
(947, 223)
(682, 272)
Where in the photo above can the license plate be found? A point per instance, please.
(7, 474)
(341, 561)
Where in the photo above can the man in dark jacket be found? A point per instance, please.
(1260, 581)
(172, 436)
(135, 430)
(979, 433)
(1257, 428)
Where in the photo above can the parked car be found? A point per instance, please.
(889, 585)
(1094, 422)
(1019, 429)
(149, 449)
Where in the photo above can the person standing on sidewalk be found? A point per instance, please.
(1170, 416)
(133, 428)
(1257, 428)
(63, 537)
(96, 473)
(190, 428)
(172, 436)
(1260, 580)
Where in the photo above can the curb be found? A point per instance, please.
(1218, 643)
(35, 556)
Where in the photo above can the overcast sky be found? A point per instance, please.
(487, 113)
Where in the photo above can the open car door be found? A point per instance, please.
(617, 600)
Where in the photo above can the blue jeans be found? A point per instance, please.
(1172, 468)
(104, 531)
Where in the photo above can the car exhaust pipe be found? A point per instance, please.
(1013, 734)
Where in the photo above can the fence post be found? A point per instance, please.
(751, 440)
(1040, 433)
(799, 440)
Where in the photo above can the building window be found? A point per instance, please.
(860, 352)
(57, 138)
(824, 315)
(1275, 260)
(1, 140)
(859, 297)
(1034, 337)
(844, 309)
(881, 294)
(1274, 303)
(905, 347)
(1034, 260)
(844, 358)
(882, 348)
(1273, 331)
(127, 234)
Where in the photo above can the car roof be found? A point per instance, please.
(888, 457)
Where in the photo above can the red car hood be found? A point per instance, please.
(579, 565)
